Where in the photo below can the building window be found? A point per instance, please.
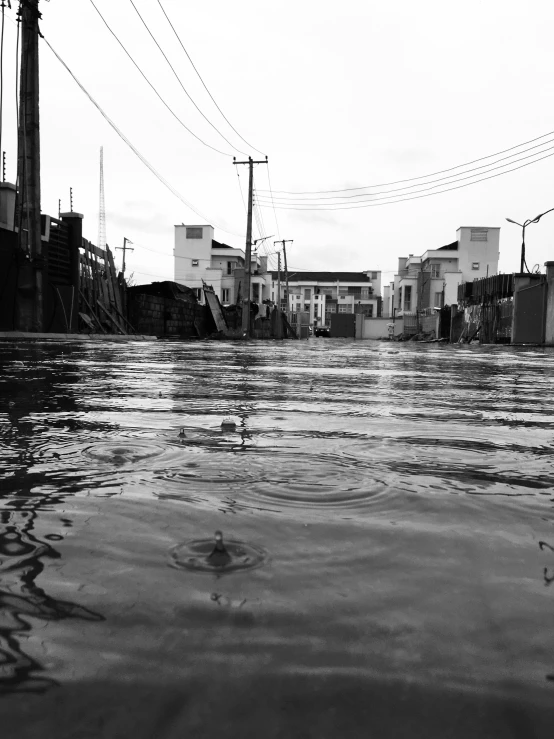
(369, 311)
(256, 292)
(475, 265)
(197, 292)
(408, 297)
(194, 232)
(342, 308)
(298, 307)
(229, 268)
(438, 300)
(435, 270)
(308, 293)
(225, 295)
(374, 275)
(306, 306)
(479, 234)
(400, 297)
(195, 262)
(316, 310)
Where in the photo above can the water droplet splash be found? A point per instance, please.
(207, 555)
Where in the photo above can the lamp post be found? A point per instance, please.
(523, 226)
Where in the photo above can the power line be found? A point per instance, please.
(412, 179)
(135, 151)
(202, 81)
(272, 202)
(153, 88)
(241, 193)
(179, 80)
(453, 178)
(414, 197)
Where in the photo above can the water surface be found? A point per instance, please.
(403, 495)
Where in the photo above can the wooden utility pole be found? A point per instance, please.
(248, 249)
(284, 242)
(279, 281)
(124, 248)
(29, 305)
(279, 322)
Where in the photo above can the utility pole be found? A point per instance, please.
(279, 323)
(29, 305)
(284, 242)
(124, 248)
(248, 249)
(279, 281)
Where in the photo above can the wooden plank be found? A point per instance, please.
(107, 280)
(113, 275)
(112, 319)
(94, 314)
(89, 284)
(95, 250)
(126, 321)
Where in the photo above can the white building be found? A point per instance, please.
(431, 280)
(319, 294)
(199, 258)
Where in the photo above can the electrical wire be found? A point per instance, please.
(241, 193)
(155, 90)
(413, 179)
(180, 82)
(134, 150)
(272, 202)
(453, 178)
(202, 81)
(399, 199)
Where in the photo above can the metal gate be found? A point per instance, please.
(530, 314)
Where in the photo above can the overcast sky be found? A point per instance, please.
(337, 94)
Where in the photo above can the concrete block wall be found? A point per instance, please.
(159, 316)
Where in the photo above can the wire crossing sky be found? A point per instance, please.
(344, 95)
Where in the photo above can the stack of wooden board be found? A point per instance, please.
(102, 304)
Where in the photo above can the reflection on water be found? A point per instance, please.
(21, 599)
(399, 499)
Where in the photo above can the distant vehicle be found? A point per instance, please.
(322, 331)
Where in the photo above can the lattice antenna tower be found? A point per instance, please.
(102, 206)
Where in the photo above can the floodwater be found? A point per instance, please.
(399, 500)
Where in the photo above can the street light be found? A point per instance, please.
(523, 226)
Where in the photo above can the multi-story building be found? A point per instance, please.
(319, 294)
(199, 259)
(431, 280)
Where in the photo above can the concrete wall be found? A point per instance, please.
(377, 328)
(451, 282)
(159, 316)
(549, 327)
(430, 324)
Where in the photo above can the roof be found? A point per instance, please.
(217, 245)
(323, 276)
(453, 246)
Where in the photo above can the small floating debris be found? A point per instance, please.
(228, 424)
(207, 555)
(182, 433)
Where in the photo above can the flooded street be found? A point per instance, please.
(401, 497)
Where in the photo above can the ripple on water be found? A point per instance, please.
(333, 481)
(209, 555)
(128, 451)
